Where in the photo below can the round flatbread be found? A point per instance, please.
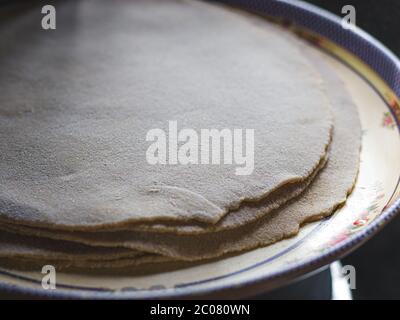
(329, 189)
(16, 246)
(78, 102)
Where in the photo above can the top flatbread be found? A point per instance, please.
(247, 213)
(77, 103)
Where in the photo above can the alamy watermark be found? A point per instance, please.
(49, 278)
(349, 20)
(49, 18)
(349, 274)
(208, 146)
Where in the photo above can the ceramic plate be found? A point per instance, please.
(372, 76)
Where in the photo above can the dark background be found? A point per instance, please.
(377, 263)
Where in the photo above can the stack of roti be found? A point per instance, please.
(85, 183)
